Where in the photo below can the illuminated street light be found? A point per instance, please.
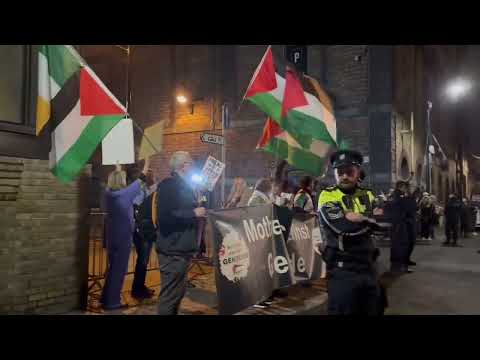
(458, 89)
(182, 99)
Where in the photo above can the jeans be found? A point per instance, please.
(143, 248)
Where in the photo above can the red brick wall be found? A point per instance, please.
(210, 77)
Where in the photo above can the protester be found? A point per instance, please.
(436, 216)
(144, 236)
(202, 200)
(399, 233)
(353, 286)
(262, 193)
(280, 195)
(318, 187)
(464, 219)
(452, 220)
(238, 189)
(427, 217)
(178, 214)
(473, 218)
(303, 200)
(119, 228)
(246, 195)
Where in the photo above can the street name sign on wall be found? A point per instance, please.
(212, 139)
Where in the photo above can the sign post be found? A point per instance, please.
(225, 125)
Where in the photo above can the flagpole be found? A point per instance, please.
(251, 81)
(128, 96)
(224, 149)
(128, 90)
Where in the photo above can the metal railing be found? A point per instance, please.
(98, 259)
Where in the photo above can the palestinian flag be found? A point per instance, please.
(310, 121)
(281, 144)
(80, 109)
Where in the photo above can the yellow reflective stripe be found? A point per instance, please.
(331, 196)
(336, 196)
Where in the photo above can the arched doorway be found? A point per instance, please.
(404, 169)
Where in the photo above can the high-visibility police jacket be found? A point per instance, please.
(348, 244)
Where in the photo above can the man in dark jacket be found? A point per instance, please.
(452, 219)
(178, 214)
(144, 236)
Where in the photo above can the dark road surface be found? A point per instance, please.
(446, 281)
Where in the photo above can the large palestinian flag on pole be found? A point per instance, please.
(80, 109)
(301, 127)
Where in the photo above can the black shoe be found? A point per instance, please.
(409, 271)
(143, 294)
(412, 263)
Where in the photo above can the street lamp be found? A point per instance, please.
(456, 90)
(181, 99)
(428, 152)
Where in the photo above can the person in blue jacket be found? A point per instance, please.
(119, 228)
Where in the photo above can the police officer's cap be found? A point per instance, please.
(346, 158)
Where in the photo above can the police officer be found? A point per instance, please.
(349, 253)
(411, 222)
(400, 237)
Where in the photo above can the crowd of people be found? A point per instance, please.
(172, 216)
(458, 218)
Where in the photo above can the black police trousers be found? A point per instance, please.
(353, 293)
(412, 237)
(401, 246)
